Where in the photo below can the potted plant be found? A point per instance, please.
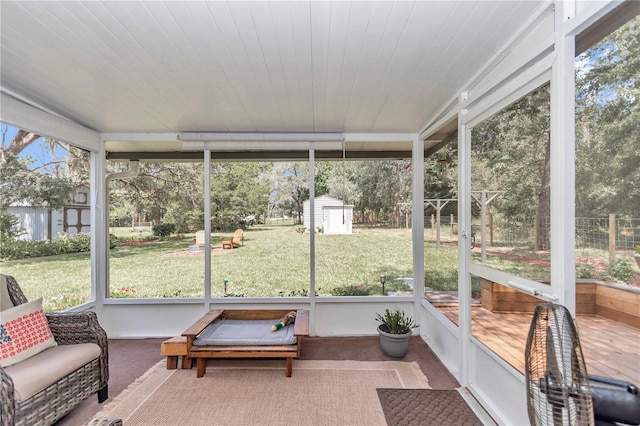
(395, 332)
(636, 256)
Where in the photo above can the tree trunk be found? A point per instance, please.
(543, 215)
(20, 141)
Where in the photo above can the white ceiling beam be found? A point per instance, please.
(522, 43)
(444, 119)
(239, 146)
(140, 137)
(258, 137)
(533, 77)
(588, 13)
(379, 137)
(17, 113)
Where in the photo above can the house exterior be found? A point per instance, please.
(331, 216)
(41, 223)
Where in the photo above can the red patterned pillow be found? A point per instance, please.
(24, 332)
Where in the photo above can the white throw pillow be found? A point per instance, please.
(24, 332)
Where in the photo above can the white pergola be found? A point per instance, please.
(178, 80)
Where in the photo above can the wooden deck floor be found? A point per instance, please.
(610, 349)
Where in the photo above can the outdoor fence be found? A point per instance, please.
(611, 234)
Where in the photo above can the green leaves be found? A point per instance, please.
(22, 185)
(395, 322)
(608, 125)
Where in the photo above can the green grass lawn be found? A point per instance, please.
(274, 261)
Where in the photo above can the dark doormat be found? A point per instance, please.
(425, 407)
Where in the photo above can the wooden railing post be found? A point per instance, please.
(612, 238)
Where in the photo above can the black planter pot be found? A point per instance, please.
(394, 345)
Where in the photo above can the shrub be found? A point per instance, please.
(584, 271)
(163, 229)
(14, 250)
(18, 249)
(74, 243)
(123, 293)
(130, 239)
(621, 271)
(113, 241)
(297, 293)
(351, 290)
(173, 295)
(63, 302)
(9, 227)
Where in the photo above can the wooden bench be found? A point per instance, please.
(173, 349)
(202, 353)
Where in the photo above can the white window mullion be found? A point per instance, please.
(312, 242)
(417, 224)
(563, 166)
(100, 226)
(464, 252)
(207, 228)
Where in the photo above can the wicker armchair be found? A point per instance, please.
(50, 404)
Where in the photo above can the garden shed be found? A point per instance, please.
(40, 223)
(331, 215)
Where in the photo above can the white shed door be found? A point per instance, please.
(335, 224)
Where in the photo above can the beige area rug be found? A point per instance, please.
(256, 392)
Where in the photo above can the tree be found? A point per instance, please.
(237, 191)
(22, 185)
(162, 192)
(436, 187)
(46, 184)
(9, 227)
(341, 181)
(289, 183)
(511, 153)
(173, 193)
(20, 141)
(511, 150)
(381, 185)
(608, 125)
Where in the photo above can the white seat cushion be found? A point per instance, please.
(245, 332)
(44, 369)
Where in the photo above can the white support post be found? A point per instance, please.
(417, 222)
(312, 242)
(464, 245)
(99, 227)
(563, 163)
(207, 228)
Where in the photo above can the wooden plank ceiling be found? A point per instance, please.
(286, 66)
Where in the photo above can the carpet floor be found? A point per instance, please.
(257, 392)
(130, 359)
(417, 407)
